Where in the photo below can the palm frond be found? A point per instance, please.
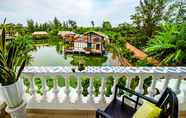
(21, 68)
(3, 40)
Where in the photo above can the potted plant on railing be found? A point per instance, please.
(81, 65)
(12, 62)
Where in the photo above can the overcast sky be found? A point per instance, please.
(82, 11)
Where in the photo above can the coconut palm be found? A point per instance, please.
(169, 45)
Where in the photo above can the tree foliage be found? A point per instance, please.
(30, 25)
(169, 45)
(149, 15)
(176, 12)
(106, 25)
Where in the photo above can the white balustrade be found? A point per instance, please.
(102, 91)
(139, 88)
(67, 92)
(55, 90)
(33, 90)
(69, 96)
(177, 86)
(165, 84)
(79, 91)
(90, 91)
(114, 86)
(128, 82)
(184, 96)
(44, 90)
(152, 89)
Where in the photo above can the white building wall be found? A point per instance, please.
(79, 46)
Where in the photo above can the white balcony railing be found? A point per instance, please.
(68, 97)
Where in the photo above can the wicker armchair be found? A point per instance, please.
(119, 109)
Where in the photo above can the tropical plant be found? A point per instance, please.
(117, 47)
(169, 45)
(12, 60)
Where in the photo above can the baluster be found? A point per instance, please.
(152, 89)
(79, 90)
(44, 89)
(139, 88)
(102, 91)
(90, 91)
(55, 90)
(67, 91)
(114, 86)
(183, 100)
(128, 82)
(33, 90)
(177, 86)
(165, 84)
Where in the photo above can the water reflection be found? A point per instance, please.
(55, 56)
(60, 48)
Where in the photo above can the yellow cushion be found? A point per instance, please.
(147, 110)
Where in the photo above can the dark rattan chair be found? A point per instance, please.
(119, 109)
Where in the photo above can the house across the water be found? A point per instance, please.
(9, 36)
(67, 36)
(90, 42)
(40, 35)
(80, 44)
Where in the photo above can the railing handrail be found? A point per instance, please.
(181, 71)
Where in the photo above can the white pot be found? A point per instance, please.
(18, 112)
(12, 94)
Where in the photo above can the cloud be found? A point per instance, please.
(83, 11)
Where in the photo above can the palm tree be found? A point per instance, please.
(169, 45)
(92, 23)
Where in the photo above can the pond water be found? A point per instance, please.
(54, 56)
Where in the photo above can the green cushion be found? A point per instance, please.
(147, 110)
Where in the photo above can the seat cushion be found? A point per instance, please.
(147, 110)
(116, 110)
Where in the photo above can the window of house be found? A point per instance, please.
(97, 39)
(89, 45)
(97, 46)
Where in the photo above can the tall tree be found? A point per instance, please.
(57, 23)
(72, 24)
(65, 25)
(36, 27)
(92, 23)
(106, 25)
(149, 15)
(30, 25)
(20, 29)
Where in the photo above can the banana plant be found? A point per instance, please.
(12, 60)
